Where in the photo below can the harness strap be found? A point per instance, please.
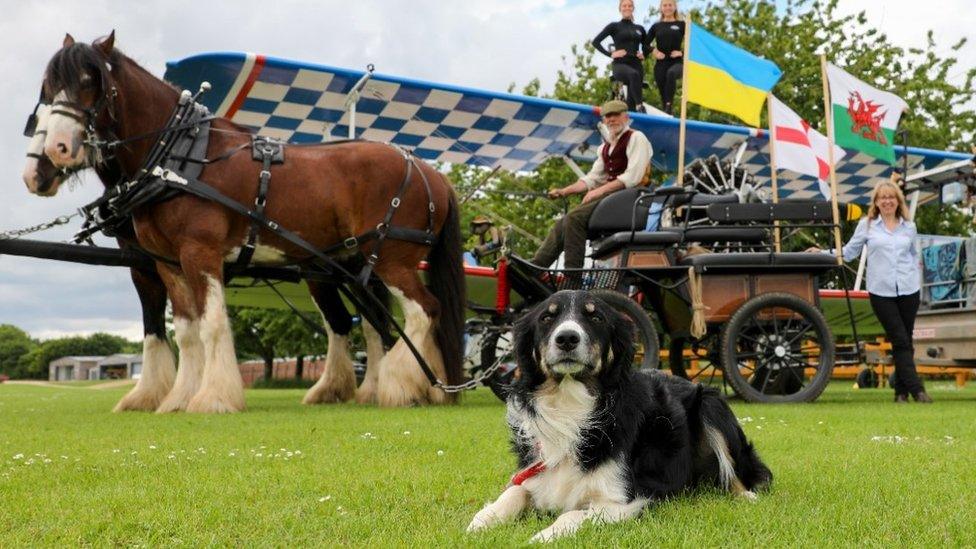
(163, 132)
(383, 228)
(270, 152)
(430, 197)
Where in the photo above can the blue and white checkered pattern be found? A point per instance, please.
(304, 103)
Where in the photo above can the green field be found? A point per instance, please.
(850, 470)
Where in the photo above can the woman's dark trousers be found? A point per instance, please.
(897, 316)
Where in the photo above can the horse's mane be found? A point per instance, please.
(66, 68)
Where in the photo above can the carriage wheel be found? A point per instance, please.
(701, 362)
(499, 343)
(648, 351)
(777, 348)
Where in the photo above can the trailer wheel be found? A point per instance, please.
(777, 348)
(867, 379)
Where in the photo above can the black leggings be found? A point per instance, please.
(632, 75)
(897, 315)
(667, 72)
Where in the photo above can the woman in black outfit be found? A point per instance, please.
(629, 39)
(669, 36)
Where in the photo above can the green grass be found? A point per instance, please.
(282, 474)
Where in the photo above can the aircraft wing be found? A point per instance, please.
(305, 103)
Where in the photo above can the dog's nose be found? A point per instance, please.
(567, 340)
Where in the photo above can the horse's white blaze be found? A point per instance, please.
(191, 365)
(401, 381)
(36, 146)
(262, 254)
(64, 143)
(158, 372)
(366, 394)
(338, 380)
(221, 389)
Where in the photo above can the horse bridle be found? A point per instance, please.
(86, 116)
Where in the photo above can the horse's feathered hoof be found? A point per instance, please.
(139, 401)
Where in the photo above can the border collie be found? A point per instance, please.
(598, 440)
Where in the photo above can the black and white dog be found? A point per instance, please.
(598, 440)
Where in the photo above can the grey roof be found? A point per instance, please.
(120, 358)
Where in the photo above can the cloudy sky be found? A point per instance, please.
(478, 43)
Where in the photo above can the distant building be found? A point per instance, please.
(119, 366)
(70, 368)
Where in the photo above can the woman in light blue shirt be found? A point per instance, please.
(893, 279)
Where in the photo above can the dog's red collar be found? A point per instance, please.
(527, 473)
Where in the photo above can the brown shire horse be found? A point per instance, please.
(323, 193)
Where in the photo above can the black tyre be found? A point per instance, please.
(648, 351)
(771, 344)
(497, 345)
(867, 379)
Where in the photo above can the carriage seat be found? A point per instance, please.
(624, 211)
(671, 236)
(803, 260)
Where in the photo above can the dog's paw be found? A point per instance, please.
(749, 496)
(485, 518)
(545, 536)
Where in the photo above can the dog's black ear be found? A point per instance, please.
(621, 344)
(526, 354)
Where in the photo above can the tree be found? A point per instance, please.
(15, 344)
(35, 362)
(272, 333)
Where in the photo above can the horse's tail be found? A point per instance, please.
(446, 282)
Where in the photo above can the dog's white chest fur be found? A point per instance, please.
(562, 412)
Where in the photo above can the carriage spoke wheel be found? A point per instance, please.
(701, 363)
(777, 348)
(499, 343)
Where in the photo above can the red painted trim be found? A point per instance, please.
(502, 287)
(855, 294)
(246, 88)
(469, 270)
(528, 472)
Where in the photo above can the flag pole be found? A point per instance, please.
(679, 178)
(772, 164)
(830, 158)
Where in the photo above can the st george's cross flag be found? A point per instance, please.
(865, 118)
(799, 147)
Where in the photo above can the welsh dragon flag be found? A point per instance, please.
(865, 118)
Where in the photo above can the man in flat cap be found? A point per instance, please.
(623, 162)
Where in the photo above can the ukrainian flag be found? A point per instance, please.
(725, 78)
